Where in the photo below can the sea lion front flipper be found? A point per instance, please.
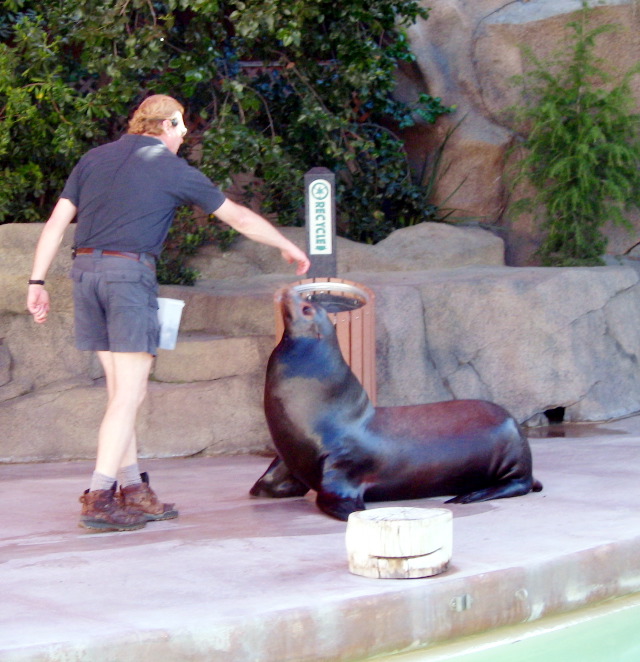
(339, 506)
(278, 482)
(338, 495)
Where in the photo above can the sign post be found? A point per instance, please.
(320, 207)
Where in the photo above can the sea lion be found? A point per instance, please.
(330, 438)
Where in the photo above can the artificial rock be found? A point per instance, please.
(467, 52)
(451, 322)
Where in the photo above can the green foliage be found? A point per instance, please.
(272, 88)
(188, 232)
(581, 150)
(184, 237)
(322, 100)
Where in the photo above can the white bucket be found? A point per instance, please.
(169, 314)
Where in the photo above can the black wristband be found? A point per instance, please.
(36, 282)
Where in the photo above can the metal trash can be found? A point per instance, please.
(351, 308)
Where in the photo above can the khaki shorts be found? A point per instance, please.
(116, 304)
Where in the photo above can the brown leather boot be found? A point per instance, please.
(141, 498)
(101, 511)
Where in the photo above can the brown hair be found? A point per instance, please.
(148, 116)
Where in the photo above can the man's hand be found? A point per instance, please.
(294, 254)
(38, 303)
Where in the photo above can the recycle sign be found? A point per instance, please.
(320, 189)
(320, 217)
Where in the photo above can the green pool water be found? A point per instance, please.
(608, 632)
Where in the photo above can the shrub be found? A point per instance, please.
(272, 88)
(581, 150)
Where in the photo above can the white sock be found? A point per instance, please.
(101, 482)
(129, 475)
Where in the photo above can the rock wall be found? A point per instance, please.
(467, 53)
(531, 339)
(451, 322)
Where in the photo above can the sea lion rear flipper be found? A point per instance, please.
(501, 491)
(278, 482)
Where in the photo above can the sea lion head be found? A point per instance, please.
(303, 318)
(309, 346)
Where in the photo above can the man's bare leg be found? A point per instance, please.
(127, 375)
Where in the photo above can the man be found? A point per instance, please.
(125, 195)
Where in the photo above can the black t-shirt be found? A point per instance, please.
(127, 193)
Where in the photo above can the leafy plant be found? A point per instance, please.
(321, 95)
(581, 150)
(272, 88)
(188, 232)
(433, 169)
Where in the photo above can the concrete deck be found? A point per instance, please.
(236, 579)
